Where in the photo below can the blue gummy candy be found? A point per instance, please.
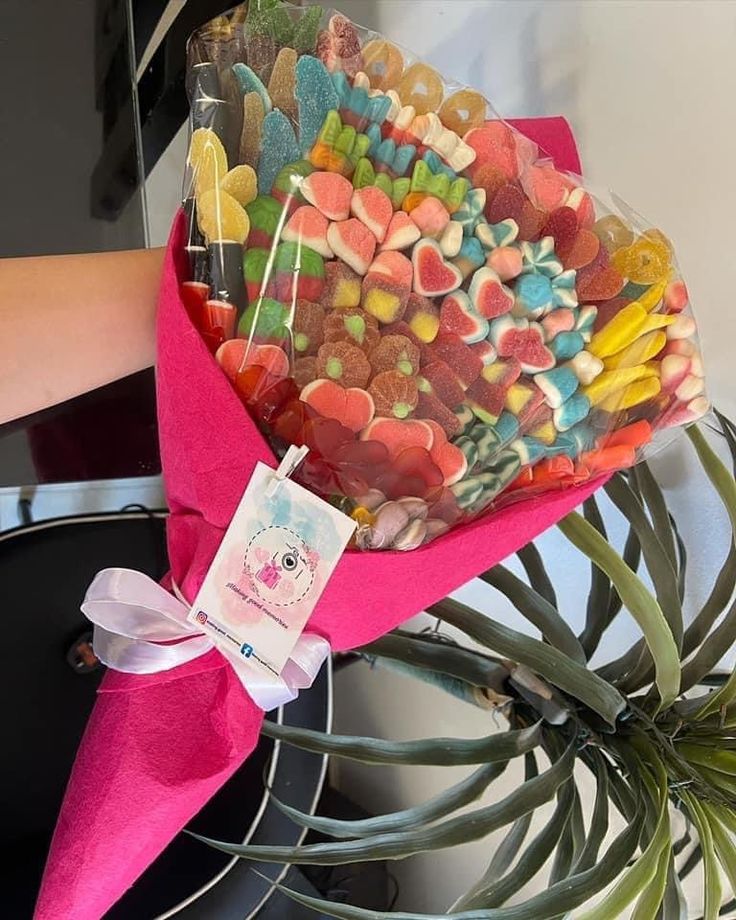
(565, 345)
(249, 82)
(436, 165)
(373, 133)
(315, 95)
(558, 385)
(403, 159)
(378, 109)
(386, 151)
(533, 293)
(473, 251)
(278, 147)
(571, 412)
(358, 101)
(536, 450)
(342, 86)
(507, 427)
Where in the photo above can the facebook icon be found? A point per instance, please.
(246, 650)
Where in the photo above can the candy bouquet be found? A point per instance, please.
(371, 264)
(393, 276)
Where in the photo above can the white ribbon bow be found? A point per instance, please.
(133, 615)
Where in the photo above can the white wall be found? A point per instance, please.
(648, 88)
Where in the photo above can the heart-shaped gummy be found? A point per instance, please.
(510, 202)
(599, 280)
(489, 297)
(399, 434)
(458, 316)
(547, 188)
(582, 252)
(494, 145)
(524, 341)
(433, 276)
(562, 226)
(353, 407)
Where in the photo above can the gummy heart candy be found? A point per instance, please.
(458, 317)
(599, 280)
(494, 146)
(433, 276)
(510, 202)
(524, 341)
(399, 434)
(489, 297)
(353, 407)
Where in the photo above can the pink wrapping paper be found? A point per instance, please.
(156, 748)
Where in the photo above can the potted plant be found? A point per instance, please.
(656, 729)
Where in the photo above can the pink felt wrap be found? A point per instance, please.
(157, 747)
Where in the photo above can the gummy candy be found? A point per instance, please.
(438, 379)
(458, 317)
(383, 64)
(463, 111)
(304, 372)
(645, 261)
(329, 192)
(506, 262)
(278, 147)
(352, 325)
(352, 242)
(343, 362)
(486, 400)
(394, 394)
(308, 227)
(557, 384)
(613, 232)
(540, 258)
(399, 434)
(420, 86)
(342, 287)
(471, 211)
(383, 298)
(304, 39)
(451, 239)
(282, 83)
(266, 319)
(395, 266)
(401, 233)
(286, 186)
(395, 353)
(431, 217)
(298, 272)
(523, 340)
(489, 297)
(586, 367)
(641, 350)
(509, 203)
(429, 407)
(352, 407)
(373, 208)
(307, 329)
(433, 276)
(423, 317)
(315, 97)
(494, 145)
(501, 234)
(264, 213)
(338, 47)
(250, 82)
(220, 217)
(250, 138)
(599, 281)
(465, 364)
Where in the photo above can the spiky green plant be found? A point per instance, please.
(655, 728)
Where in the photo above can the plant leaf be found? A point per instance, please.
(650, 900)
(440, 657)
(443, 752)
(724, 845)
(531, 559)
(457, 830)
(716, 471)
(549, 663)
(640, 603)
(452, 799)
(710, 866)
(599, 819)
(655, 502)
(537, 610)
(599, 597)
(714, 606)
(715, 646)
(722, 697)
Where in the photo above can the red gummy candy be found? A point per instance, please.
(444, 383)
(511, 202)
(271, 401)
(415, 462)
(488, 397)
(325, 435)
(463, 362)
(431, 408)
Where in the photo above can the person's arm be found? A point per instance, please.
(69, 324)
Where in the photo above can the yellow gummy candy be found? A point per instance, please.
(241, 183)
(646, 261)
(463, 111)
(546, 433)
(652, 297)
(644, 348)
(382, 304)
(517, 397)
(363, 516)
(610, 382)
(383, 64)
(220, 217)
(657, 321)
(619, 332)
(613, 232)
(207, 158)
(632, 395)
(421, 86)
(250, 138)
(425, 326)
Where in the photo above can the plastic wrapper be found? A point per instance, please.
(392, 275)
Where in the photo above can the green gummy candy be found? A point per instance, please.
(331, 128)
(254, 264)
(361, 146)
(345, 142)
(469, 448)
(487, 442)
(383, 181)
(400, 191)
(292, 257)
(458, 190)
(289, 177)
(265, 317)
(306, 30)
(467, 491)
(466, 418)
(264, 213)
(364, 174)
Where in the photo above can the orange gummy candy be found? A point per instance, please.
(394, 394)
(395, 353)
(463, 111)
(421, 86)
(383, 64)
(344, 363)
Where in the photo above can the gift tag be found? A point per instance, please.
(273, 564)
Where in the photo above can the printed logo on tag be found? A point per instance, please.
(272, 566)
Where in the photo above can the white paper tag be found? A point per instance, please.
(273, 564)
